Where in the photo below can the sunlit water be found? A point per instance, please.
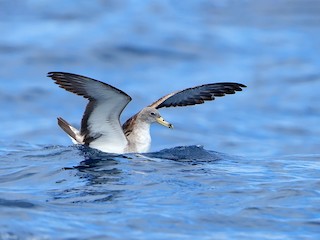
(245, 166)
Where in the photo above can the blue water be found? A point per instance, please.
(245, 166)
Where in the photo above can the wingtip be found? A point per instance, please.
(51, 74)
(60, 120)
(241, 85)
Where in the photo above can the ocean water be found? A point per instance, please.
(245, 166)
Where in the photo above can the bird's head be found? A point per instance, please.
(152, 115)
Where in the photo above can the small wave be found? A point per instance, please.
(194, 153)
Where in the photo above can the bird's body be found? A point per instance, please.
(100, 125)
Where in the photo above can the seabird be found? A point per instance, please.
(100, 125)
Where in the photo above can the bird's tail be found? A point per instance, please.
(73, 133)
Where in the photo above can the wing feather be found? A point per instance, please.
(106, 103)
(197, 95)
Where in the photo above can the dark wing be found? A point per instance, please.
(197, 95)
(106, 103)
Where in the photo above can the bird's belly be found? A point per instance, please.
(108, 147)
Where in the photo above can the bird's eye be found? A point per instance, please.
(152, 113)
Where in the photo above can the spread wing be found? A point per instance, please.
(106, 103)
(197, 95)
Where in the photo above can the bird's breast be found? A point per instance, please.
(139, 140)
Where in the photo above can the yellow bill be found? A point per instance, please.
(161, 121)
